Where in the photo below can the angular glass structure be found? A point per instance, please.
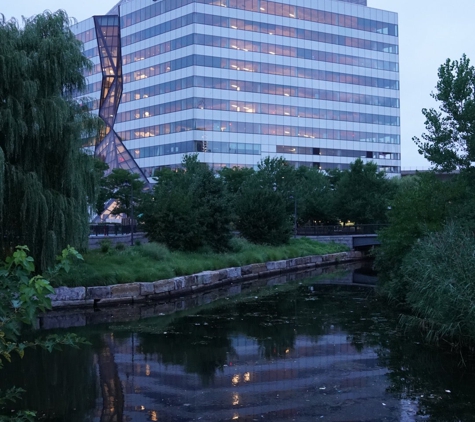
(110, 148)
(316, 82)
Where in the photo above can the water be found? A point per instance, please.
(319, 348)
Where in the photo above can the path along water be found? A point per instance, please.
(301, 349)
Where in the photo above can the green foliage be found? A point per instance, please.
(362, 194)
(47, 181)
(105, 245)
(450, 139)
(263, 205)
(22, 296)
(188, 209)
(263, 215)
(422, 205)
(124, 187)
(441, 285)
(152, 261)
(119, 246)
(314, 196)
(235, 177)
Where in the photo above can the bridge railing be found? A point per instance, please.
(112, 229)
(338, 230)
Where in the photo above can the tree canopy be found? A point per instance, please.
(449, 143)
(46, 179)
(188, 209)
(362, 193)
(122, 186)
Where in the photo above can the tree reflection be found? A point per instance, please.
(60, 385)
(111, 386)
(200, 349)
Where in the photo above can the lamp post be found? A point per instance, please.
(295, 216)
(132, 214)
(295, 213)
(131, 211)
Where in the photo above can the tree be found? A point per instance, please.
(188, 209)
(234, 177)
(362, 194)
(47, 180)
(314, 196)
(265, 203)
(124, 187)
(449, 143)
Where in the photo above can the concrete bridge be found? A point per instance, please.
(363, 236)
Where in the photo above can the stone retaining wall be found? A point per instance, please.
(86, 316)
(66, 297)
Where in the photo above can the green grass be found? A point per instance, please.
(152, 261)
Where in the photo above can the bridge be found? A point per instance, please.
(358, 236)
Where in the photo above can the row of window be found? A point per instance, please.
(197, 146)
(150, 171)
(380, 155)
(260, 27)
(255, 108)
(299, 33)
(257, 47)
(271, 8)
(249, 149)
(261, 88)
(257, 129)
(252, 26)
(246, 66)
(340, 166)
(256, 87)
(258, 67)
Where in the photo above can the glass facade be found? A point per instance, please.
(110, 147)
(239, 80)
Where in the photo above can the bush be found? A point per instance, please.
(105, 245)
(420, 206)
(188, 209)
(119, 246)
(263, 215)
(440, 284)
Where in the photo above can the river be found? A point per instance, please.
(314, 347)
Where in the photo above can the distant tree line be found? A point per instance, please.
(194, 207)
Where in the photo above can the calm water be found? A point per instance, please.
(304, 350)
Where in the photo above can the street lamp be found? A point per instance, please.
(131, 211)
(295, 213)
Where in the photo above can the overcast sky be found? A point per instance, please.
(430, 32)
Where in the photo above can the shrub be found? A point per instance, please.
(188, 209)
(441, 284)
(263, 215)
(105, 245)
(119, 246)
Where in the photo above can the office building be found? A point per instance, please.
(313, 81)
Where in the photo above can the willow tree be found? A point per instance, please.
(46, 178)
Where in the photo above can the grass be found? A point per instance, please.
(152, 261)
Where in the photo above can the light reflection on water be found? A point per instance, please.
(301, 351)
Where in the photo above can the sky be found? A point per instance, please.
(430, 31)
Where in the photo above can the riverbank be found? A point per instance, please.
(346, 274)
(152, 261)
(137, 292)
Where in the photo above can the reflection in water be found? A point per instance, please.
(304, 352)
(111, 387)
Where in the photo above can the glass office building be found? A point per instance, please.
(313, 81)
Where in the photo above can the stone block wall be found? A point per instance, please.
(65, 297)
